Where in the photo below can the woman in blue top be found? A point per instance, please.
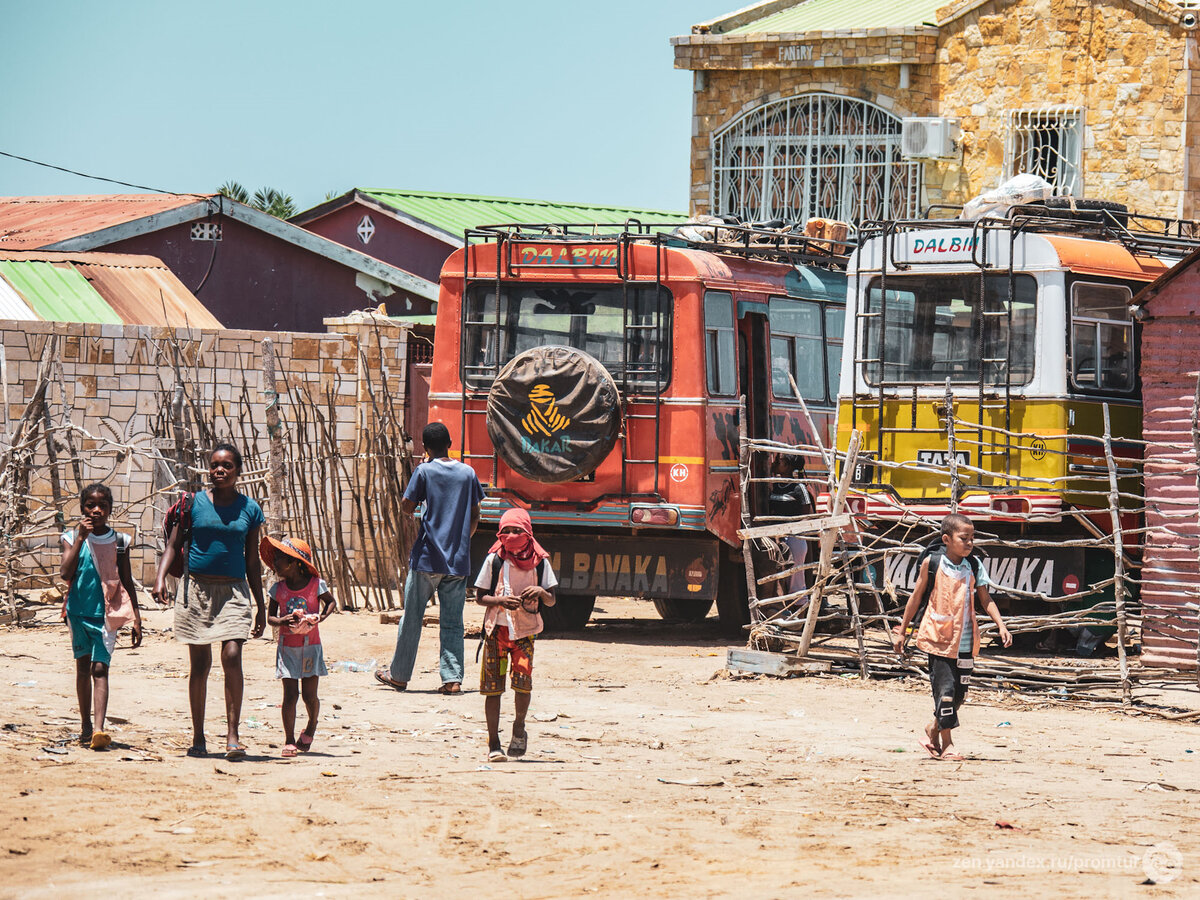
(212, 602)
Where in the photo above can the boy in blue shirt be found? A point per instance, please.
(440, 560)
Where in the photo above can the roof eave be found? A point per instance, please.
(347, 256)
(435, 231)
(279, 228)
(133, 228)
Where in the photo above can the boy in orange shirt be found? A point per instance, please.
(949, 631)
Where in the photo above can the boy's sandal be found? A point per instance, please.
(289, 751)
(304, 742)
(235, 752)
(197, 751)
(518, 745)
(385, 677)
(450, 687)
(952, 756)
(100, 740)
(497, 755)
(928, 746)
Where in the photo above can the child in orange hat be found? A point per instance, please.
(300, 600)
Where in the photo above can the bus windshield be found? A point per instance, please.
(936, 328)
(591, 318)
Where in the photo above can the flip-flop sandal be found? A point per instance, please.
(952, 757)
(197, 751)
(497, 756)
(289, 751)
(100, 740)
(384, 677)
(927, 744)
(518, 745)
(235, 752)
(450, 687)
(304, 742)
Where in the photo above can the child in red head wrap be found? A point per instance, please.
(515, 580)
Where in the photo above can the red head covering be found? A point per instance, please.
(519, 549)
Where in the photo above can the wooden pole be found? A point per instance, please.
(275, 517)
(952, 461)
(856, 618)
(1114, 509)
(1196, 452)
(744, 490)
(828, 536)
(825, 457)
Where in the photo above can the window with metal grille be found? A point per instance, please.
(816, 155)
(206, 231)
(1049, 143)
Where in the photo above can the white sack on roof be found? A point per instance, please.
(1019, 189)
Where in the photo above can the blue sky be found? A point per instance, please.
(530, 98)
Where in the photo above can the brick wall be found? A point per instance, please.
(116, 384)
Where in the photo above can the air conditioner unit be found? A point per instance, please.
(931, 137)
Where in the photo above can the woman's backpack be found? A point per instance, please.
(179, 514)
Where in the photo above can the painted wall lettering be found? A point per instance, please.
(795, 52)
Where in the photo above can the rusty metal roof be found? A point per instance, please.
(27, 223)
(139, 290)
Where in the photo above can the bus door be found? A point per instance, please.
(754, 383)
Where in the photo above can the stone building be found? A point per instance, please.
(799, 105)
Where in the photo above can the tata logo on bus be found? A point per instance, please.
(925, 246)
(543, 422)
(567, 255)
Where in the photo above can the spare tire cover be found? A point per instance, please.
(553, 414)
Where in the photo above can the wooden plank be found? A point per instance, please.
(760, 662)
(798, 526)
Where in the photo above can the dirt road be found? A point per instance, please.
(650, 772)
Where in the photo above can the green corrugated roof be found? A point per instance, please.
(57, 294)
(456, 213)
(845, 15)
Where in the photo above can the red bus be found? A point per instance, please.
(593, 377)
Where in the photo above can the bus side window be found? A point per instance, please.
(797, 348)
(718, 343)
(1101, 336)
(835, 327)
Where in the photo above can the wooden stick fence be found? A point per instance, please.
(340, 492)
(856, 609)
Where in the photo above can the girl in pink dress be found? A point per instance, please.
(300, 600)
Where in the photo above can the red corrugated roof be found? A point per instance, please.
(140, 289)
(27, 223)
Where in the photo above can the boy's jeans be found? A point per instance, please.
(452, 595)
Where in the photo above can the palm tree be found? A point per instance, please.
(234, 191)
(266, 199)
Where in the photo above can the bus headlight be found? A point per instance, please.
(654, 515)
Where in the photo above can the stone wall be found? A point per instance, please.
(116, 385)
(1125, 63)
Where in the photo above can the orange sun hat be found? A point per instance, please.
(289, 546)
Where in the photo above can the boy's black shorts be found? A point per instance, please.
(949, 677)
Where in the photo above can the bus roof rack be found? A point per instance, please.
(775, 241)
(1139, 233)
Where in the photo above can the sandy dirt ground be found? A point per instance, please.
(651, 772)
